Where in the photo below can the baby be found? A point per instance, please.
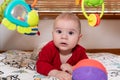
(59, 55)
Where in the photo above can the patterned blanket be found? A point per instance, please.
(20, 65)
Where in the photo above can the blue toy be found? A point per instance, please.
(20, 16)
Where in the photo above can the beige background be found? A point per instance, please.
(106, 35)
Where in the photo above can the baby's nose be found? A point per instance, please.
(64, 36)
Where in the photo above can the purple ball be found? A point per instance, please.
(89, 73)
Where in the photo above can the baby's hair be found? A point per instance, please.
(69, 16)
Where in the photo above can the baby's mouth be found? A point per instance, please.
(63, 44)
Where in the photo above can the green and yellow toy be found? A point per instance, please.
(93, 19)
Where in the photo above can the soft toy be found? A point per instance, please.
(89, 69)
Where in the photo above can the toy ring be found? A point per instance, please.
(93, 19)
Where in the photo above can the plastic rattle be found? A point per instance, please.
(20, 16)
(93, 19)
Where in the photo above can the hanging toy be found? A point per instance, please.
(20, 16)
(3, 5)
(93, 19)
(77, 2)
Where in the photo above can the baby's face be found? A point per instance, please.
(66, 34)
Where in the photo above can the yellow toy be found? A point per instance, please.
(93, 19)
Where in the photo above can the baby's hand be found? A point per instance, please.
(61, 75)
(66, 67)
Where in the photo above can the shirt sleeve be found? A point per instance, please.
(44, 62)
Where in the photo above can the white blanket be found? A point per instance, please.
(16, 69)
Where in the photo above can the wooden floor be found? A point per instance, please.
(114, 51)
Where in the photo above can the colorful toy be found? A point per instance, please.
(93, 19)
(20, 16)
(89, 69)
(3, 5)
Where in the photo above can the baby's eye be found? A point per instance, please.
(71, 33)
(59, 31)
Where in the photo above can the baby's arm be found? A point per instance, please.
(61, 75)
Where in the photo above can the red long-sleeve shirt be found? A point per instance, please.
(49, 58)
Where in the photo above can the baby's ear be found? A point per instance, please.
(80, 35)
